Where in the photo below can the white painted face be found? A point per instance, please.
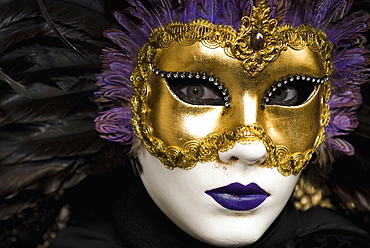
(230, 203)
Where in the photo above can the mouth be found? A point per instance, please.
(239, 197)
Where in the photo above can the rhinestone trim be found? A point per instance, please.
(286, 80)
(203, 76)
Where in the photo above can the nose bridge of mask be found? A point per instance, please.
(245, 110)
(249, 104)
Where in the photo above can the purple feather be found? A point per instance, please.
(231, 12)
(342, 145)
(318, 14)
(114, 125)
(279, 9)
(210, 10)
(335, 13)
(191, 11)
(349, 62)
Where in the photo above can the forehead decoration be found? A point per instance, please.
(258, 41)
(256, 36)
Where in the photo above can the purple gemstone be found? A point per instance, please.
(257, 40)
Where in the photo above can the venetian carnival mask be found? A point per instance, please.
(228, 116)
(229, 119)
(200, 88)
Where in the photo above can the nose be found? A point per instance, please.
(249, 154)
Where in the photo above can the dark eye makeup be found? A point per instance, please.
(291, 91)
(201, 89)
(196, 88)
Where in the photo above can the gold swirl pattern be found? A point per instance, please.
(208, 148)
(258, 42)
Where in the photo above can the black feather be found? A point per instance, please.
(48, 141)
(17, 32)
(17, 87)
(15, 11)
(55, 29)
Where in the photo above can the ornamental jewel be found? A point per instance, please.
(255, 34)
(257, 41)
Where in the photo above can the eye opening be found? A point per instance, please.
(178, 81)
(303, 85)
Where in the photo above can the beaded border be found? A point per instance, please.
(286, 80)
(220, 86)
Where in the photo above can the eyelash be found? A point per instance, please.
(219, 86)
(286, 81)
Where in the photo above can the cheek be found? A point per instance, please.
(178, 193)
(281, 187)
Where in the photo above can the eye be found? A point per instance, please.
(197, 91)
(196, 88)
(284, 95)
(291, 91)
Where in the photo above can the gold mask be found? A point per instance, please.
(200, 88)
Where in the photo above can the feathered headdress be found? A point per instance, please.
(343, 29)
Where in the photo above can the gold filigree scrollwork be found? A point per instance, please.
(306, 36)
(257, 42)
(208, 148)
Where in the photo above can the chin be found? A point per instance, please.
(230, 239)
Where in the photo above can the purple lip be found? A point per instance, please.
(239, 197)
